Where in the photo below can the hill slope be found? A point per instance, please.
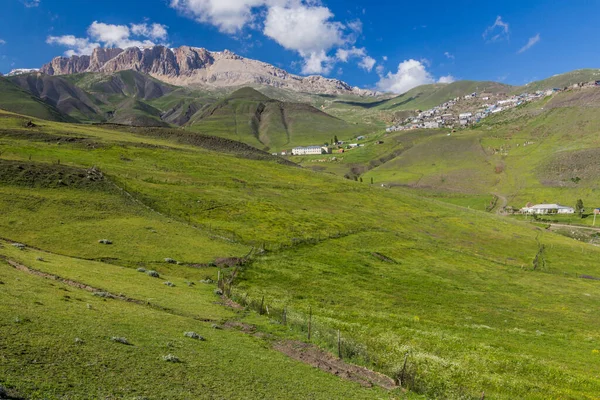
(251, 117)
(478, 302)
(61, 94)
(563, 80)
(533, 153)
(15, 99)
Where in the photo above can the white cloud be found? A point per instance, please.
(446, 79)
(307, 30)
(449, 56)
(154, 31)
(30, 3)
(77, 46)
(230, 16)
(317, 63)
(108, 35)
(497, 32)
(367, 63)
(344, 55)
(385, 58)
(2, 42)
(380, 69)
(411, 73)
(530, 43)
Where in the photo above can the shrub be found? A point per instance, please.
(153, 274)
(169, 284)
(193, 335)
(170, 261)
(121, 340)
(171, 358)
(141, 269)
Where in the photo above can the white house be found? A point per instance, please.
(548, 209)
(308, 150)
(465, 115)
(431, 125)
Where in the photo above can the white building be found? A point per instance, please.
(308, 150)
(432, 125)
(548, 209)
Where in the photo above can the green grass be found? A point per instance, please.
(40, 320)
(395, 272)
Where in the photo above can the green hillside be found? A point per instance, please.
(563, 80)
(451, 302)
(15, 99)
(538, 152)
(61, 94)
(251, 117)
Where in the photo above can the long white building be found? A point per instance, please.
(308, 150)
(548, 209)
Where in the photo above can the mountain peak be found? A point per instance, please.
(197, 67)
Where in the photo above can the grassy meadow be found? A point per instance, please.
(473, 302)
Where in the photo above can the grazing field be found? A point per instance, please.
(473, 302)
(60, 341)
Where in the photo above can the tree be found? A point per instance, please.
(371, 180)
(579, 207)
(335, 139)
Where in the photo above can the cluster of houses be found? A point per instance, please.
(472, 108)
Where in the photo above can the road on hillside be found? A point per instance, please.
(591, 228)
(504, 202)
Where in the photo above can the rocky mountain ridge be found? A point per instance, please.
(197, 67)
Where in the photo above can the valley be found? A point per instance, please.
(139, 213)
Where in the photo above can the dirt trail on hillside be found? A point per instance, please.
(503, 203)
(311, 354)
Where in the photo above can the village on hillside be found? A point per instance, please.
(459, 112)
(472, 108)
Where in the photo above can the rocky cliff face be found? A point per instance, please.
(190, 66)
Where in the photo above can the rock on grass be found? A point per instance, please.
(121, 340)
(171, 358)
(193, 335)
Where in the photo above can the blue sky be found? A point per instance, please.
(389, 45)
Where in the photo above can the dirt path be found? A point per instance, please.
(503, 203)
(312, 355)
(590, 228)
